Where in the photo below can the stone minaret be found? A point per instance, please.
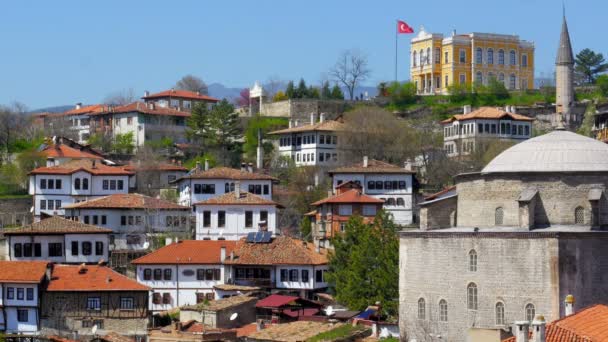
(564, 78)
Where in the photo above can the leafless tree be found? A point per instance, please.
(350, 70)
(121, 97)
(272, 86)
(12, 122)
(192, 83)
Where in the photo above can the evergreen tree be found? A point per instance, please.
(313, 93)
(290, 90)
(221, 130)
(589, 64)
(364, 267)
(196, 125)
(325, 91)
(336, 93)
(301, 90)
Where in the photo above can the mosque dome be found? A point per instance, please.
(558, 151)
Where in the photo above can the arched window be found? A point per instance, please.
(501, 57)
(512, 81)
(530, 311)
(390, 201)
(77, 183)
(472, 296)
(579, 215)
(473, 261)
(421, 309)
(500, 313)
(498, 216)
(501, 77)
(479, 78)
(524, 60)
(479, 56)
(421, 57)
(512, 57)
(490, 58)
(85, 184)
(443, 311)
(414, 58)
(428, 56)
(400, 202)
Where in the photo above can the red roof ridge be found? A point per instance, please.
(182, 93)
(188, 252)
(245, 198)
(439, 193)
(129, 201)
(487, 112)
(350, 196)
(94, 278)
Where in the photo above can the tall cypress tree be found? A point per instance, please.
(221, 132)
(290, 90)
(336, 93)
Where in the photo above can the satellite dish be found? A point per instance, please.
(234, 316)
(94, 329)
(146, 245)
(329, 311)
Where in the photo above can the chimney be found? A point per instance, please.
(49, 271)
(168, 241)
(365, 161)
(539, 329)
(198, 166)
(290, 123)
(521, 331)
(93, 164)
(312, 118)
(79, 105)
(569, 305)
(512, 109)
(146, 93)
(321, 117)
(206, 164)
(237, 189)
(151, 105)
(250, 167)
(318, 248)
(222, 254)
(466, 109)
(407, 165)
(507, 109)
(243, 166)
(296, 123)
(259, 160)
(82, 269)
(259, 324)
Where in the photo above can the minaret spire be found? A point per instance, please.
(564, 77)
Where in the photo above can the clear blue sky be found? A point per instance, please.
(63, 52)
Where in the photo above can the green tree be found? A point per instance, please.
(265, 124)
(336, 93)
(290, 90)
(301, 91)
(589, 64)
(221, 130)
(402, 93)
(279, 96)
(364, 266)
(602, 85)
(124, 143)
(588, 121)
(306, 229)
(313, 93)
(196, 125)
(325, 91)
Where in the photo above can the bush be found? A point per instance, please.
(602, 84)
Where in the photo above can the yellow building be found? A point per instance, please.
(438, 62)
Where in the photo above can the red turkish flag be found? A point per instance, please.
(403, 27)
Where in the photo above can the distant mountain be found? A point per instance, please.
(55, 109)
(220, 91)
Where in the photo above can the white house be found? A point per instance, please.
(147, 121)
(20, 286)
(132, 218)
(282, 264)
(58, 240)
(462, 133)
(75, 122)
(183, 273)
(54, 187)
(179, 99)
(203, 183)
(233, 215)
(312, 144)
(58, 153)
(390, 183)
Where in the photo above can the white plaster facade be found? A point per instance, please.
(310, 148)
(239, 220)
(192, 190)
(72, 247)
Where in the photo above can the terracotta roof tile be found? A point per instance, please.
(440, 193)
(126, 201)
(22, 271)
(282, 250)
(350, 196)
(92, 278)
(64, 151)
(488, 113)
(184, 94)
(97, 108)
(145, 108)
(57, 225)
(245, 198)
(329, 125)
(90, 166)
(228, 173)
(188, 252)
(294, 331)
(373, 166)
(220, 304)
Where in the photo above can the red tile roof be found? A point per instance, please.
(438, 194)
(90, 166)
(90, 278)
(22, 271)
(188, 252)
(97, 108)
(145, 108)
(57, 225)
(326, 126)
(488, 113)
(126, 201)
(228, 173)
(373, 166)
(350, 196)
(275, 301)
(282, 250)
(64, 151)
(183, 94)
(587, 325)
(245, 198)
(157, 167)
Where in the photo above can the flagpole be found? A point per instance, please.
(396, 34)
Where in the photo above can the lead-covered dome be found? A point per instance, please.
(558, 151)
